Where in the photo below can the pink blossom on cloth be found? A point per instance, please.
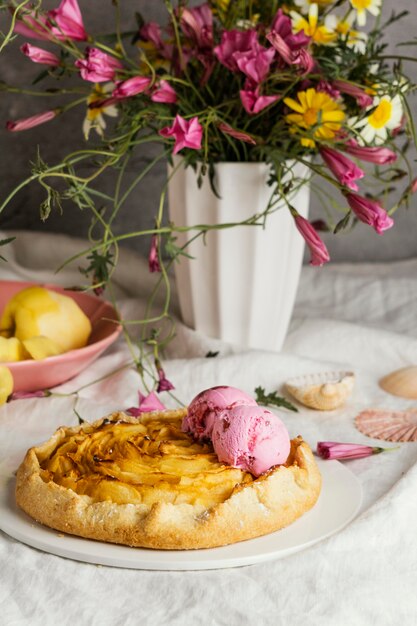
(26, 395)
(332, 450)
(187, 133)
(163, 383)
(98, 66)
(147, 404)
(345, 170)
(370, 212)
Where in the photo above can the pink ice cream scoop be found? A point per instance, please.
(208, 404)
(250, 438)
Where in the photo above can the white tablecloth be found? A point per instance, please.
(363, 317)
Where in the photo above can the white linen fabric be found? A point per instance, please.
(361, 317)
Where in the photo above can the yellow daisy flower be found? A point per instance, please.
(316, 112)
(362, 6)
(94, 118)
(320, 34)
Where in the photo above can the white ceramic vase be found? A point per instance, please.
(241, 283)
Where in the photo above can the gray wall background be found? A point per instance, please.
(61, 136)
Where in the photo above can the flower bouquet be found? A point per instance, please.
(281, 83)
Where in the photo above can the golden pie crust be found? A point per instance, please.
(145, 483)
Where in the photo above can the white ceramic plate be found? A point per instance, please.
(338, 504)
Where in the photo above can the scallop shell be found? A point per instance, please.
(401, 383)
(324, 392)
(388, 425)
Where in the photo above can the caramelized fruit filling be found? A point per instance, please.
(147, 462)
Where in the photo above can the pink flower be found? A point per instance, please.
(363, 99)
(253, 102)
(328, 88)
(413, 187)
(331, 450)
(65, 22)
(33, 26)
(302, 58)
(25, 395)
(131, 87)
(163, 92)
(319, 253)
(68, 20)
(187, 134)
(343, 168)
(152, 32)
(147, 404)
(237, 134)
(369, 212)
(255, 63)
(37, 55)
(98, 67)
(380, 156)
(197, 24)
(153, 258)
(163, 383)
(31, 122)
(232, 42)
(282, 26)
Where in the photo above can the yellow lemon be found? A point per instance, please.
(6, 383)
(37, 311)
(41, 347)
(12, 349)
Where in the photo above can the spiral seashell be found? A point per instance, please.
(324, 392)
(388, 425)
(401, 383)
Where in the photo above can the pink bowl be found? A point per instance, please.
(35, 375)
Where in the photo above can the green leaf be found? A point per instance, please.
(174, 251)
(273, 399)
(4, 242)
(342, 224)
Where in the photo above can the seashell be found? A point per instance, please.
(388, 425)
(401, 383)
(324, 392)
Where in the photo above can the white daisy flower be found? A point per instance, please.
(312, 27)
(362, 6)
(355, 39)
(304, 5)
(94, 118)
(386, 114)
